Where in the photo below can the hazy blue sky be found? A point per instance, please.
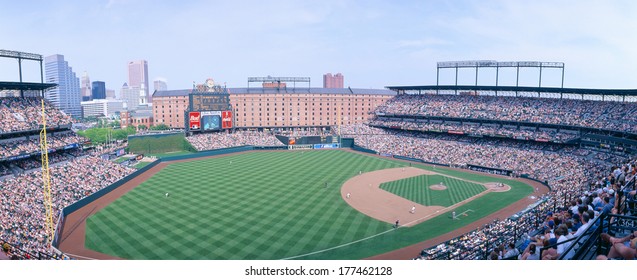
(373, 43)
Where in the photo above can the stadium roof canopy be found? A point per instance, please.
(25, 86)
(584, 91)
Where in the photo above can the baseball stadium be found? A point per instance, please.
(278, 172)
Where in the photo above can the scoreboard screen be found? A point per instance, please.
(211, 120)
(209, 102)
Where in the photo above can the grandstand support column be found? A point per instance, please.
(476, 75)
(437, 78)
(456, 79)
(562, 76)
(497, 72)
(517, 76)
(46, 179)
(20, 70)
(517, 79)
(41, 74)
(540, 80)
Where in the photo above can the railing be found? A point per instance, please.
(628, 203)
(589, 244)
(20, 254)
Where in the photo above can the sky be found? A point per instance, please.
(372, 43)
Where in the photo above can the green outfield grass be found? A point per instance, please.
(417, 190)
(264, 205)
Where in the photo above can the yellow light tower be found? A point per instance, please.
(46, 180)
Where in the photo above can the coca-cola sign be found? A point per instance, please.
(226, 119)
(195, 120)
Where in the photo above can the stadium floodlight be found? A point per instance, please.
(20, 55)
(477, 64)
(279, 80)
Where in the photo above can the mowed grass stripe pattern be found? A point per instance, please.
(417, 189)
(262, 205)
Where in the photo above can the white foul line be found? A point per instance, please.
(361, 240)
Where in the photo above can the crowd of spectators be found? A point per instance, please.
(14, 147)
(21, 200)
(476, 244)
(495, 130)
(19, 114)
(36, 161)
(620, 116)
(218, 140)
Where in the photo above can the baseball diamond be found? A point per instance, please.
(272, 205)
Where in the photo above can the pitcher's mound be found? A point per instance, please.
(438, 187)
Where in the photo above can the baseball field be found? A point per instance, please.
(283, 205)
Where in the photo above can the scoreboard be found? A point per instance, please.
(209, 108)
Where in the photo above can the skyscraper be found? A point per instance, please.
(66, 95)
(138, 76)
(159, 84)
(335, 81)
(133, 96)
(110, 94)
(85, 87)
(99, 90)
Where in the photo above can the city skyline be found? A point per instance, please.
(374, 44)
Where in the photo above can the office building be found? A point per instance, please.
(102, 107)
(66, 95)
(138, 76)
(159, 85)
(98, 90)
(333, 81)
(85, 87)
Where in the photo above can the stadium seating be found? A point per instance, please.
(20, 114)
(210, 141)
(611, 115)
(22, 209)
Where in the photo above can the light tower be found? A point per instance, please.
(46, 180)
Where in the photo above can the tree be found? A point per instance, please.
(142, 127)
(115, 123)
(160, 126)
(99, 135)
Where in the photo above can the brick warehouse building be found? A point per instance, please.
(269, 107)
